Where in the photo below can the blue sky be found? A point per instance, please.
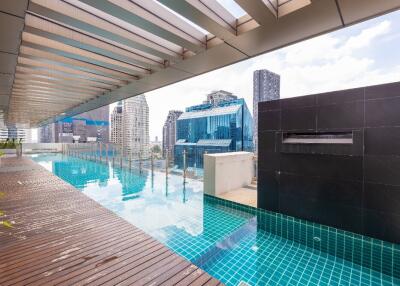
(363, 54)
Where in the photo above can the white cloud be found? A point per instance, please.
(340, 60)
(367, 36)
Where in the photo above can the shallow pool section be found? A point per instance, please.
(238, 245)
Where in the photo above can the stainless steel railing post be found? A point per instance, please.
(152, 163)
(184, 166)
(101, 152)
(140, 162)
(166, 163)
(120, 159)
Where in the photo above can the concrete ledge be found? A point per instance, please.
(224, 172)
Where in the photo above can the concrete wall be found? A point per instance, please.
(350, 186)
(225, 172)
(41, 147)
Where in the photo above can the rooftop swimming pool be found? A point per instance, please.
(234, 243)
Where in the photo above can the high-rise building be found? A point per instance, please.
(17, 134)
(130, 127)
(169, 133)
(135, 122)
(218, 96)
(46, 133)
(266, 87)
(91, 126)
(116, 124)
(226, 126)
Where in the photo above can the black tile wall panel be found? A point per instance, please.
(383, 198)
(269, 120)
(296, 102)
(374, 110)
(267, 140)
(322, 190)
(382, 91)
(382, 141)
(269, 105)
(271, 161)
(354, 187)
(327, 166)
(301, 119)
(382, 225)
(335, 215)
(341, 116)
(268, 190)
(341, 96)
(382, 169)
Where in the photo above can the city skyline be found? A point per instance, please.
(86, 127)
(354, 55)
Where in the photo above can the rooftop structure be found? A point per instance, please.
(218, 96)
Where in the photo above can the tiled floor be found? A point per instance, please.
(60, 236)
(245, 196)
(266, 259)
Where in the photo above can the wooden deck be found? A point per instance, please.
(61, 237)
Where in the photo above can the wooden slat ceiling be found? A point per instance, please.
(64, 57)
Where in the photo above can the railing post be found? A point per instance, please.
(166, 162)
(101, 152)
(130, 161)
(184, 166)
(152, 163)
(255, 158)
(113, 155)
(140, 162)
(120, 160)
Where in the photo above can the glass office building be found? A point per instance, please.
(224, 127)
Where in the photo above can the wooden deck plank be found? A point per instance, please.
(47, 266)
(60, 236)
(180, 276)
(172, 272)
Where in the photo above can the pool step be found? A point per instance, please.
(228, 242)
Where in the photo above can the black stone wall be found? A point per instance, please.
(355, 186)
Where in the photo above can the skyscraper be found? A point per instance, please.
(91, 126)
(266, 87)
(130, 127)
(135, 137)
(17, 134)
(46, 133)
(116, 124)
(169, 133)
(225, 126)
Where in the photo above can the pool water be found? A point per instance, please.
(234, 243)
